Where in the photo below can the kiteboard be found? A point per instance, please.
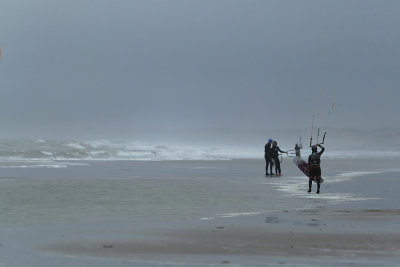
(305, 168)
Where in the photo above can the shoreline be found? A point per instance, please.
(252, 220)
(308, 235)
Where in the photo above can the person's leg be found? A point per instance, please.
(266, 165)
(272, 165)
(278, 167)
(318, 172)
(313, 175)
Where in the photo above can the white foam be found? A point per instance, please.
(33, 166)
(47, 153)
(107, 150)
(75, 145)
(361, 154)
(298, 186)
(207, 218)
(235, 214)
(346, 176)
(239, 214)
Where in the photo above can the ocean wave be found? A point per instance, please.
(56, 150)
(36, 164)
(107, 150)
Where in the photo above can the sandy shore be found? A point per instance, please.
(200, 214)
(242, 241)
(311, 237)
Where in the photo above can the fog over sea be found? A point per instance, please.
(207, 145)
(132, 132)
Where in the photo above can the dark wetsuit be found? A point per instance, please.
(268, 159)
(314, 161)
(297, 148)
(275, 157)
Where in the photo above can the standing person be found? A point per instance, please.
(314, 161)
(267, 156)
(297, 148)
(275, 156)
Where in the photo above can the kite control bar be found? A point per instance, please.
(291, 153)
(323, 139)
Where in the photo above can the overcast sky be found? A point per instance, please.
(83, 66)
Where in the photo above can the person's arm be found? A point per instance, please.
(281, 150)
(322, 150)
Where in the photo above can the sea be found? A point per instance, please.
(51, 188)
(43, 153)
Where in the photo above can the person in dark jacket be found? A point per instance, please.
(267, 156)
(297, 148)
(314, 161)
(275, 157)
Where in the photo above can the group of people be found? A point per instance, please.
(272, 158)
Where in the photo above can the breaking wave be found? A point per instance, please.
(42, 150)
(107, 150)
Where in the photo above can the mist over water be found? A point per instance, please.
(196, 79)
(213, 144)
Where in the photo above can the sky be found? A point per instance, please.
(80, 67)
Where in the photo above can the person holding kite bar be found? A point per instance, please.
(314, 161)
(275, 156)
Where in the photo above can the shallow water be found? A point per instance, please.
(132, 191)
(95, 201)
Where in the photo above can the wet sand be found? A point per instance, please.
(327, 237)
(354, 222)
(233, 240)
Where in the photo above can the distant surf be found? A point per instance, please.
(21, 150)
(53, 150)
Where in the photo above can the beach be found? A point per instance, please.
(198, 213)
(134, 133)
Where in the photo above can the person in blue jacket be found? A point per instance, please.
(268, 158)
